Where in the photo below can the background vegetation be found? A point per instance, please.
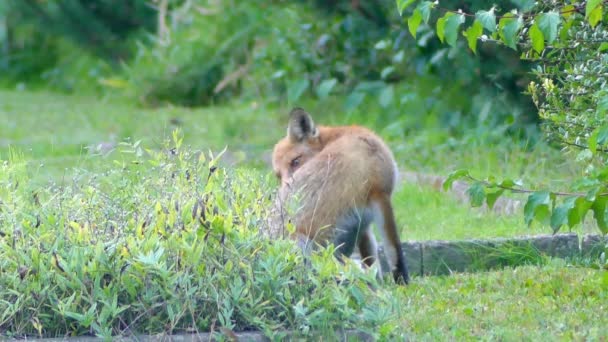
(112, 222)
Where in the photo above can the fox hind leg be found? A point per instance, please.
(385, 222)
(368, 247)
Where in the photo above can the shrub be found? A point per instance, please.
(165, 241)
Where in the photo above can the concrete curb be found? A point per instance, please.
(253, 336)
(445, 257)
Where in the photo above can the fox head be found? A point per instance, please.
(301, 143)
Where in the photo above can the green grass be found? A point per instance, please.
(531, 303)
(59, 133)
(118, 238)
(426, 214)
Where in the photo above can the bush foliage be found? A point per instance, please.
(567, 44)
(165, 241)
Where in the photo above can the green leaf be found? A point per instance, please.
(537, 206)
(353, 100)
(578, 212)
(537, 38)
(454, 175)
(403, 4)
(324, 88)
(509, 31)
(477, 194)
(472, 34)
(524, 5)
(548, 23)
(491, 197)
(414, 21)
(590, 6)
(386, 71)
(602, 135)
(592, 141)
(425, 8)
(567, 11)
(296, 89)
(603, 47)
(602, 104)
(441, 26)
(599, 213)
(452, 25)
(487, 19)
(386, 96)
(559, 217)
(596, 16)
(509, 183)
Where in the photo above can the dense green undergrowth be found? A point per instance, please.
(164, 241)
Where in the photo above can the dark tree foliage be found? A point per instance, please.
(496, 71)
(101, 26)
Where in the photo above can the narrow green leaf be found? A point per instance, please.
(537, 38)
(590, 6)
(296, 89)
(536, 206)
(353, 100)
(487, 19)
(403, 4)
(324, 88)
(473, 33)
(596, 16)
(599, 213)
(386, 71)
(563, 32)
(592, 141)
(452, 25)
(453, 176)
(441, 25)
(477, 194)
(602, 135)
(414, 21)
(509, 31)
(386, 96)
(425, 8)
(548, 24)
(602, 104)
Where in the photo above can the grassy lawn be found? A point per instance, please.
(118, 258)
(550, 303)
(58, 133)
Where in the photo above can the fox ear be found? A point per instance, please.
(301, 125)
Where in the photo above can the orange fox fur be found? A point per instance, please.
(342, 179)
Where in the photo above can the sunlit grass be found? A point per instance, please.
(58, 133)
(552, 302)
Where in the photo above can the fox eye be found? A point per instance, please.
(295, 162)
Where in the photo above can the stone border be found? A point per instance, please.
(254, 336)
(445, 257)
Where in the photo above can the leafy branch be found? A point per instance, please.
(569, 45)
(541, 205)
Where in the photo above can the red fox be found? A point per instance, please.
(342, 179)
